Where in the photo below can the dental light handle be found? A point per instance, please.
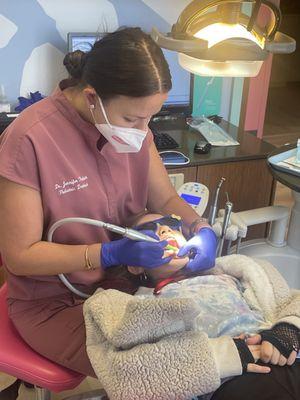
(127, 232)
(214, 207)
(226, 219)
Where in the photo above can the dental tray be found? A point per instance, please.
(284, 162)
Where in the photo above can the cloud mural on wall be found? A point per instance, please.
(43, 70)
(34, 29)
(41, 22)
(137, 13)
(81, 15)
(8, 30)
(169, 10)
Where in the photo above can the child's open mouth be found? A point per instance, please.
(173, 242)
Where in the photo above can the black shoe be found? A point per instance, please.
(11, 392)
(28, 385)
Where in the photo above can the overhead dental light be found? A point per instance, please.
(226, 37)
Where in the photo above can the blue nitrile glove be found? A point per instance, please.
(134, 253)
(204, 245)
(26, 102)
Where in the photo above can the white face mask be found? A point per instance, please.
(124, 140)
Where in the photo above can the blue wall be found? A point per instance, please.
(32, 58)
(36, 28)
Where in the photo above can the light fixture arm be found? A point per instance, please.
(221, 38)
(277, 15)
(254, 15)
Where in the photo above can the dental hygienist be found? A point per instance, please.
(85, 151)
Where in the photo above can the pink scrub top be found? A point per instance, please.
(50, 148)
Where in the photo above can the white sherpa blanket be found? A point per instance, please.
(144, 349)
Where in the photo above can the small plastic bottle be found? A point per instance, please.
(298, 152)
(4, 104)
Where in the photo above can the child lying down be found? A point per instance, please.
(151, 346)
(224, 310)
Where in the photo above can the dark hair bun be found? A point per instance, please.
(74, 63)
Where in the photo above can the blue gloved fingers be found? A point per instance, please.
(204, 244)
(135, 253)
(200, 263)
(149, 254)
(184, 250)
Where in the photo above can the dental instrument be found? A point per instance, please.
(127, 232)
(226, 219)
(213, 209)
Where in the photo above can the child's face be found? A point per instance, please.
(175, 241)
(174, 238)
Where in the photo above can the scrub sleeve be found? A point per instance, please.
(51, 149)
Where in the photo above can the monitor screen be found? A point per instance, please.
(83, 42)
(181, 81)
(194, 200)
(179, 99)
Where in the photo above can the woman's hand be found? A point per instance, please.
(204, 246)
(270, 354)
(134, 253)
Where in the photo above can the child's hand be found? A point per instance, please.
(270, 354)
(255, 350)
(249, 355)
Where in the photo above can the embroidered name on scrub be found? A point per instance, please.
(71, 185)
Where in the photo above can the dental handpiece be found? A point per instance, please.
(129, 233)
(226, 219)
(213, 209)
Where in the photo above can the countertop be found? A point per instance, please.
(250, 148)
(289, 180)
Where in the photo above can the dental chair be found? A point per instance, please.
(282, 245)
(18, 359)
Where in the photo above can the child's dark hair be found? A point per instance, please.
(169, 220)
(126, 62)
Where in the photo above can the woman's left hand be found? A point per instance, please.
(204, 245)
(270, 354)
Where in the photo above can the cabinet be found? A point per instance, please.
(249, 185)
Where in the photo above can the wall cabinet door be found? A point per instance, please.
(190, 173)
